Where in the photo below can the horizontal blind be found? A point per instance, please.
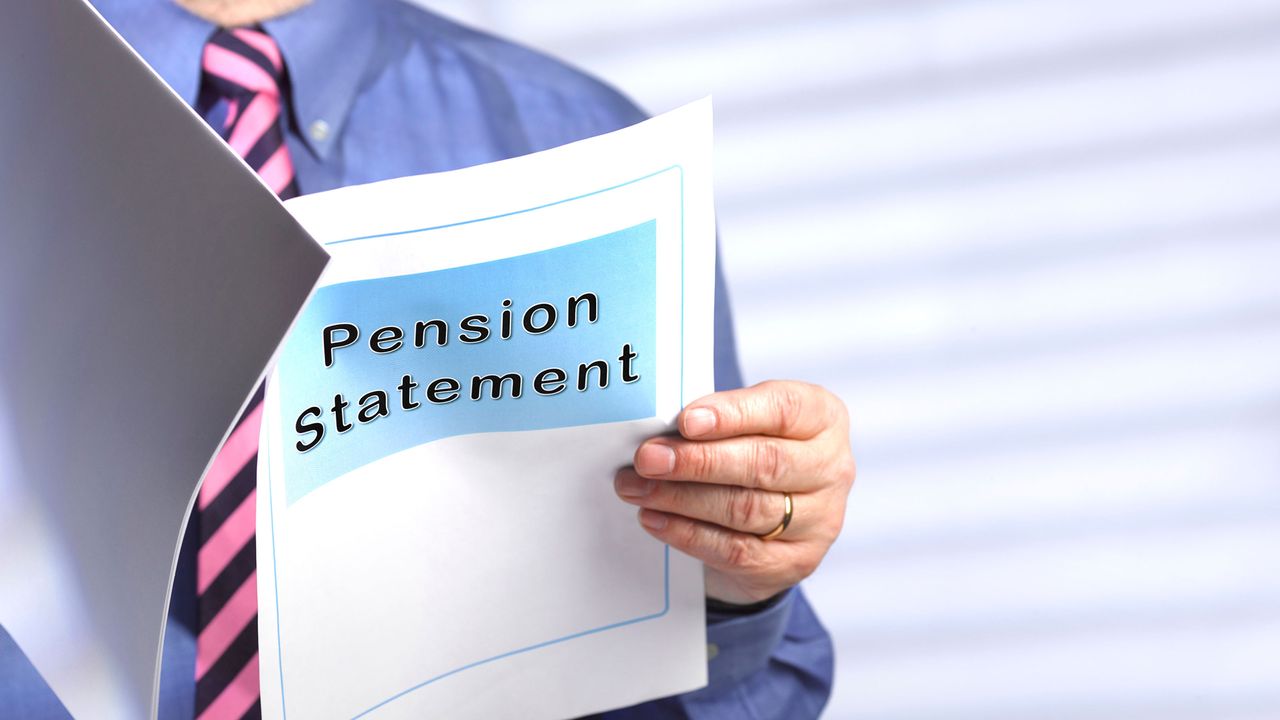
(1033, 245)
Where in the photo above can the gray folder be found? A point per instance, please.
(146, 278)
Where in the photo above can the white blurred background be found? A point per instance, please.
(1041, 238)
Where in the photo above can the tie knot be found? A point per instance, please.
(242, 61)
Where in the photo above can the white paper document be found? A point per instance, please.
(438, 534)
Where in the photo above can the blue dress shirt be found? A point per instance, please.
(381, 89)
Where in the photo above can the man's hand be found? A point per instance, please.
(712, 491)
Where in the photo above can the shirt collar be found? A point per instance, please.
(327, 45)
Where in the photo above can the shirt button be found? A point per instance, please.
(712, 651)
(319, 130)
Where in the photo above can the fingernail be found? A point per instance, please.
(653, 520)
(699, 422)
(655, 459)
(629, 485)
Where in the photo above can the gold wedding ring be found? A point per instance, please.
(786, 520)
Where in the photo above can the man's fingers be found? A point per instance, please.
(716, 546)
(742, 554)
(780, 408)
(764, 463)
(736, 508)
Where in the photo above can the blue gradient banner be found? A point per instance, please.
(360, 408)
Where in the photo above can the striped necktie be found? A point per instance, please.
(241, 95)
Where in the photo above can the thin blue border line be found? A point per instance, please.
(666, 566)
(275, 581)
(681, 285)
(537, 207)
(666, 549)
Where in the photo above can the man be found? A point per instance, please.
(318, 95)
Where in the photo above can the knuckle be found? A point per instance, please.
(837, 412)
(686, 535)
(845, 471)
(740, 552)
(788, 405)
(732, 413)
(840, 407)
(769, 464)
(694, 460)
(838, 471)
(666, 496)
(850, 471)
(744, 507)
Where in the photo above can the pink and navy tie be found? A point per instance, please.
(242, 89)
